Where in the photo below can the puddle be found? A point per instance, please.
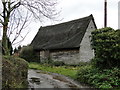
(35, 80)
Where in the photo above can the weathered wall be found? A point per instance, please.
(44, 55)
(86, 52)
(68, 57)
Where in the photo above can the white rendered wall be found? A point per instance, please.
(86, 52)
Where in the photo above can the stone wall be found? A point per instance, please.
(44, 55)
(67, 56)
(86, 52)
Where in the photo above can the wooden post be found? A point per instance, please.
(105, 13)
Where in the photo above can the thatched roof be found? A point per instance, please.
(66, 35)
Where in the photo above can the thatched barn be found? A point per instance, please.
(69, 41)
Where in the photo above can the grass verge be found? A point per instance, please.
(69, 71)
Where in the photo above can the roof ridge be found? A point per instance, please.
(69, 21)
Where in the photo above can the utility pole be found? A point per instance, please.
(105, 13)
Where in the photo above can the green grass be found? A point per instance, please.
(85, 73)
(69, 71)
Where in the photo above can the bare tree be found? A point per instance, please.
(15, 15)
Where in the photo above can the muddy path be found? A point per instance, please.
(39, 79)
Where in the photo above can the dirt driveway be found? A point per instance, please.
(39, 79)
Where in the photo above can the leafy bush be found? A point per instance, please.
(47, 61)
(29, 54)
(104, 72)
(58, 63)
(14, 72)
(84, 63)
(84, 70)
(106, 43)
(107, 78)
(51, 62)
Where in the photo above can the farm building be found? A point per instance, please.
(69, 41)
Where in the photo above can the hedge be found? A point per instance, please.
(14, 72)
(29, 54)
(106, 43)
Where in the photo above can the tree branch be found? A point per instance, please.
(17, 13)
(15, 6)
(22, 27)
(22, 39)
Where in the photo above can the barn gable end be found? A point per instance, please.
(86, 51)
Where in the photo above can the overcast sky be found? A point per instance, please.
(75, 9)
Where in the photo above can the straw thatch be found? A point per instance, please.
(66, 35)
